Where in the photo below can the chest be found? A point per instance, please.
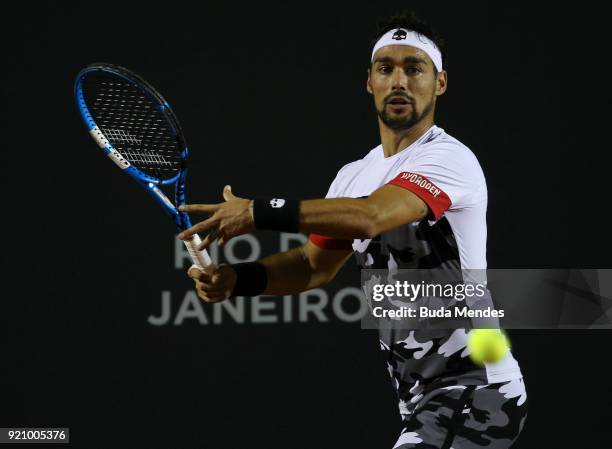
(362, 181)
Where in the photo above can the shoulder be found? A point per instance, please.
(445, 151)
(451, 166)
(356, 166)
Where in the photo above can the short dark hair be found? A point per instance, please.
(409, 20)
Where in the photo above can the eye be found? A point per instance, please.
(413, 70)
(384, 68)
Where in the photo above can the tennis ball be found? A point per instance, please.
(487, 345)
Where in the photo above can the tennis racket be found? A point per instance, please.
(135, 127)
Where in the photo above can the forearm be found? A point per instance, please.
(361, 218)
(290, 272)
(344, 218)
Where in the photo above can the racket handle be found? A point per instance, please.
(201, 259)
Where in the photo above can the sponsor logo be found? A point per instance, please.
(422, 182)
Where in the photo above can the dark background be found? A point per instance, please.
(272, 99)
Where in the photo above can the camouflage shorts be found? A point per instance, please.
(467, 417)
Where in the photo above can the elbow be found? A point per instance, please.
(325, 280)
(318, 280)
(368, 230)
(369, 224)
(375, 219)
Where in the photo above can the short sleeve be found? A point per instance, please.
(444, 177)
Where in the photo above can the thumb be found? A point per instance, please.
(227, 193)
(194, 272)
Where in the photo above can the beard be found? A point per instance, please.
(400, 123)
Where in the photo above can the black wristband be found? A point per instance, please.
(277, 214)
(252, 279)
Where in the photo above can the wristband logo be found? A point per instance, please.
(277, 202)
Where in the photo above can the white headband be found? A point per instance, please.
(402, 36)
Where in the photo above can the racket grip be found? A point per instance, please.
(201, 259)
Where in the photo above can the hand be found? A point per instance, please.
(214, 286)
(226, 220)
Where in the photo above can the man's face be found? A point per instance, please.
(404, 85)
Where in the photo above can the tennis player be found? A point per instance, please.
(417, 200)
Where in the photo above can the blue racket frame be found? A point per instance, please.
(149, 183)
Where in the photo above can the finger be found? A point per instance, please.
(211, 237)
(200, 208)
(214, 287)
(217, 278)
(219, 282)
(199, 227)
(224, 239)
(209, 284)
(211, 299)
(199, 276)
(213, 293)
(208, 287)
(228, 194)
(218, 297)
(203, 297)
(194, 272)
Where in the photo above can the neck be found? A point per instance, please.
(394, 141)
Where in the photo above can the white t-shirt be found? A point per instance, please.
(446, 175)
(439, 169)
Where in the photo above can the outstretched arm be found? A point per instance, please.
(345, 218)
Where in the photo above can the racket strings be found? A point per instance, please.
(136, 127)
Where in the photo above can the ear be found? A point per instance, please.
(441, 82)
(369, 84)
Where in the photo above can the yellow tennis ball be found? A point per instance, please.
(487, 345)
